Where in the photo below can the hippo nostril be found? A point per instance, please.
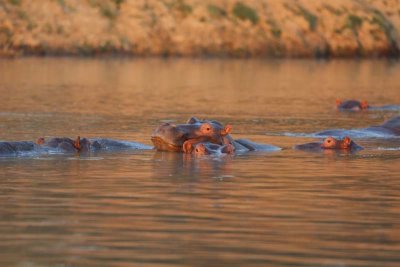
(197, 150)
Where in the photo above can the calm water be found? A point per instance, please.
(146, 208)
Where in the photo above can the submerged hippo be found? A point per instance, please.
(390, 127)
(331, 143)
(13, 148)
(207, 148)
(67, 145)
(353, 105)
(240, 145)
(171, 137)
(90, 145)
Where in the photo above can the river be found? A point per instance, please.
(147, 208)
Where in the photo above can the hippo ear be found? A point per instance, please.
(364, 104)
(192, 120)
(227, 129)
(338, 102)
(346, 141)
(40, 141)
(77, 143)
(187, 147)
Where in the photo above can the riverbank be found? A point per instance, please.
(230, 28)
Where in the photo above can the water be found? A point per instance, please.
(147, 208)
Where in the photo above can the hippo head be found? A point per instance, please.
(170, 137)
(207, 148)
(333, 143)
(66, 144)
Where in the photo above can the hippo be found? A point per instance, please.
(65, 144)
(240, 145)
(14, 148)
(171, 137)
(68, 145)
(207, 148)
(331, 143)
(89, 145)
(390, 127)
(355, 105)
(351, 105)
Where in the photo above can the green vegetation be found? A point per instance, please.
(354, 22)
(181, 6)
(333, 10)
(108, 12)
(118, 3)
(216, 11)
(22, 15)
(108, 9)
(275, 30)
(15, 2)
(389, 30)
(309, 17)
(245, 12)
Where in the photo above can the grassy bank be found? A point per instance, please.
(244, 28)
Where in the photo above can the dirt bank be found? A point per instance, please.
(283, 28)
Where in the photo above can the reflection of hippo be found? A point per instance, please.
(170, 137)
(330, 143)
(353, 105)
(207, 148)
(390, 127)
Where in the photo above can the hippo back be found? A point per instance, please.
(393, 124)
(7, 148)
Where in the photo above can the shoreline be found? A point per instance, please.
(206, 28)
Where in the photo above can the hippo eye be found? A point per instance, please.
(197, 150)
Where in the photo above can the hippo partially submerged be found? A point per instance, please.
(171, 137)
(391, 127)
(356, 105)
(67, 145)
(353, 105)
(331, 143)
(207, 148)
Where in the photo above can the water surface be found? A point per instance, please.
(147, 208)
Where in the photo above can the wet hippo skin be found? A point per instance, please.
(240, 145)
(353, 105)
(67, 145)
(9, 148)
(390, 127)
(330, 143)
(207, 148)
(170, 137)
